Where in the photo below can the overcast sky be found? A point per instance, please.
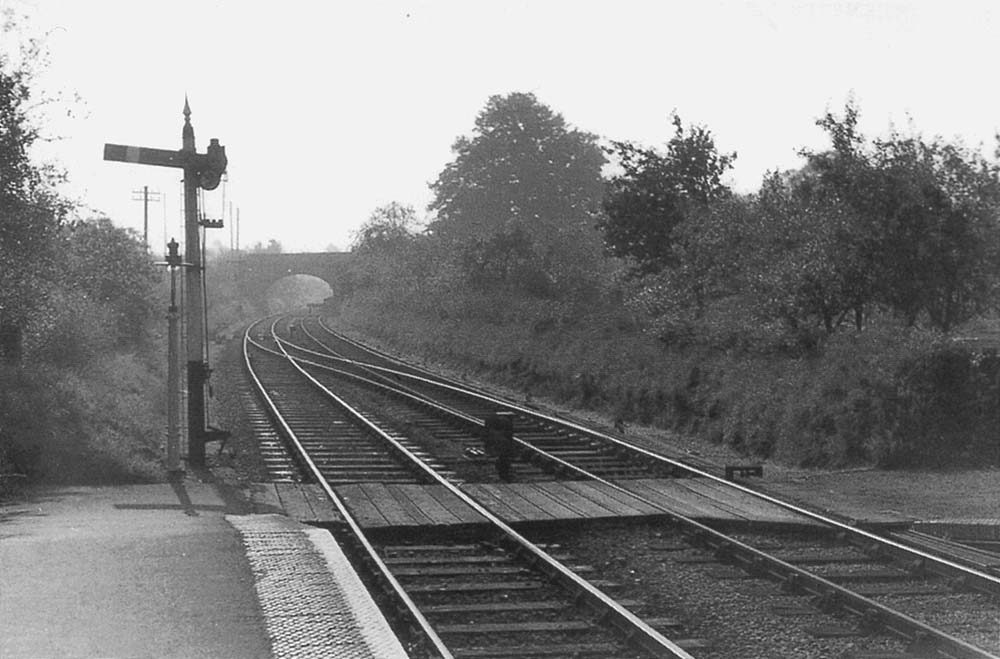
(330, 109)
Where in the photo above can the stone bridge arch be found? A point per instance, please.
(256, 272)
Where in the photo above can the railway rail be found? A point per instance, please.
(355, 415)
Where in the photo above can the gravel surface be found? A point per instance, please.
(740, 622)
(715, 602)
(972, 617)
(238, 463)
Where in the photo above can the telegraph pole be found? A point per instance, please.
(145, 210)
(202, 170)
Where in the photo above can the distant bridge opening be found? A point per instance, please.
(257, 273)
(294, 292)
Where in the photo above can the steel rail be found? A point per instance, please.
(635, 630)
(973, 577)
(372, 555)
(559, 464)
(755, 560)
(833, 594)
(394, 445)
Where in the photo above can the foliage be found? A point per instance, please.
(74, 298)
(30, 211)
(903, 224)
(656, 192)
(387, 231)
(725, 314)
(85, 408)
(95, 426)
(110, 266)
(272, 247)
(517, 204)
(924, 216)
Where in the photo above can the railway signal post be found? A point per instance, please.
(201, 170)
(173, 262)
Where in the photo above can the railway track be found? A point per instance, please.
(489, 591)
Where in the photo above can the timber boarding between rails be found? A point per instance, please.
(399, 467)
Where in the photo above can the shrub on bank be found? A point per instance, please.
(86, 402)
(98, 424)
(889, 395)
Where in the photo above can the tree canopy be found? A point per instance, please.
(50, 267)
(30, 210)
(386, 230)
(655, 192)
(924, 219)
(518, 202)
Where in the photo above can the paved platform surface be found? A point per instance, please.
(128, 571)
(176, 570)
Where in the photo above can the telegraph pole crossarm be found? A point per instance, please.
(202, 170)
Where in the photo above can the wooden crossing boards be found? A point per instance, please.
(708, 500)
(302, 502)
(556, 500)
(380, 505)
(377, 505)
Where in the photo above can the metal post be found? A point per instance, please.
(195, 320)
(200, 171)
(173, 366)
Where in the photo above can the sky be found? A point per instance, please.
(331, 109)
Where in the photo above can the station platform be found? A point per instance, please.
(171, 570)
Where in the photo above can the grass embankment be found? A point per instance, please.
(886, 396)
(97, 423)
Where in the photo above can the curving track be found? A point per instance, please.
(354, 415)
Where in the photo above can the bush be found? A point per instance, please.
(98, 425)
(890, 395)
(80, 410)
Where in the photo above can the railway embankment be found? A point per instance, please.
(99, 423)
(888, 421)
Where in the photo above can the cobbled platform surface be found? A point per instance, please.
(314, 603)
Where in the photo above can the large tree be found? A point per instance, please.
(657, 191)
(518, 203)
(30, 211)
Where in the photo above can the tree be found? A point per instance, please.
(388, 229)
(517, 204)
(926, 218)
(109, 266)
(272, 247)
(30, 210)
(800, 256)
(656, 192)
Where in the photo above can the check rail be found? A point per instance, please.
(831, 595)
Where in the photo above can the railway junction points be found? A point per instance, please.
(458, 560)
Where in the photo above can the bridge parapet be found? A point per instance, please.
(257, 271)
